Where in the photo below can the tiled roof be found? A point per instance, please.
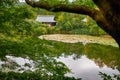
(45, 18)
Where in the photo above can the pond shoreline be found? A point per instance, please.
(70, 38)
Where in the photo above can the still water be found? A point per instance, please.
(85, 68)
(84, 61)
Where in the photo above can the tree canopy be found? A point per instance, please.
(106, 13)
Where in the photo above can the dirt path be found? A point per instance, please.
(106, 40)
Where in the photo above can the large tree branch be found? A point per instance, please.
(110, 10)
(65, 8)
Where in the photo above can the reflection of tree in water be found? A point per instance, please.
(36, 50)
(109, 77)
(42, 53)
(99, 62)
(103, 55)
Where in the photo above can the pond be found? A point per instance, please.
(86, 68)
(76, 60)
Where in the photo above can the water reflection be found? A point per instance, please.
(84, 61)
(17, 64)
(101, 55)
(85, 68)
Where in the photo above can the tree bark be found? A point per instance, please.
(107, 17)
(110, 9)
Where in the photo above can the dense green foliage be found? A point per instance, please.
(14, 19)
(19, 18)
(18, 37)
(69, 23)
(32, 76)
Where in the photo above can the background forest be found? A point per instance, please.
(20, 18)
(69, 23)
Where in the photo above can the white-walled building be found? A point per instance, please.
(46, 19)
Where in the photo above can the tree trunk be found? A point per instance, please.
(110, 10)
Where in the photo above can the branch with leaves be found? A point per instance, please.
(71, 8)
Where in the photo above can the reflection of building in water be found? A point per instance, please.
(46, 19)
